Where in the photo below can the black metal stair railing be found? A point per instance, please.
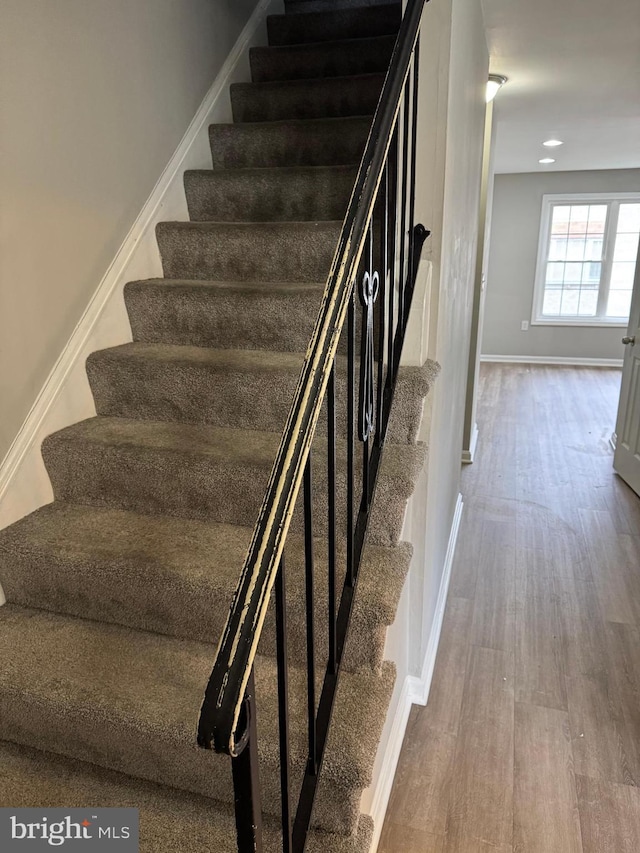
(370, 285)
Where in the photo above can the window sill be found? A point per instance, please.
(594, 324)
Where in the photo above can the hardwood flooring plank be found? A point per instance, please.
(421, 790)
(546, 818)
(442, 711)
(495, 600)
(582, 629)
(539, 672)
(603, 745)
(609, 567)
(481, 804)
(398, 838)
(609, 816)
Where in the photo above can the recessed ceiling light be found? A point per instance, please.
(553, 143)
(546, 160)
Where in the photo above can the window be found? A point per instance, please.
(586, 259)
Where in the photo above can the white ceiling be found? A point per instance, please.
(574, 74)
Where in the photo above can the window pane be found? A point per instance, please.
(593, 248)
(578, 220)
(597, 218)
(558, 249)
(575, 248)
(555, 273)
(622, 276)
(572, 273)
(570, 300)
(619, 303)
(560, 220)
(629, 218)
(588, 302)
(626, 247)
(551, 304)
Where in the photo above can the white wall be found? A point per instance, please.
(94, 98)
(453, 73)
(515, 228)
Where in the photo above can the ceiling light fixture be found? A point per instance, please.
(546, 160)
(553, 143)
(495, 82)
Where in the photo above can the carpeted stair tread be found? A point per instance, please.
(177, 576)
(326, 97)
(295, 142)
(171, 821)
(237, 315)
(268, 251)
(276, 195)
(129, 701)
(334, 24)
(248, 389)
(206, 472)
(324, 59)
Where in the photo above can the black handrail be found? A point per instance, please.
(225, 691)
(226, 719)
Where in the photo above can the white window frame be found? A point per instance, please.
(611, 227)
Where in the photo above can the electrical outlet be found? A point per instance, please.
(524, 326)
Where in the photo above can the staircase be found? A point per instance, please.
(118, 591)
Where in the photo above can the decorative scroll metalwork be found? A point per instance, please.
(369, 290)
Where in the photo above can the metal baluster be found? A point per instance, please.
(392, 159)
(403, 202)
(351, 334)
(331, 503)
(283, 705)
(366, 361)
(412, 176)
(246, 778)
(311, 658)
(384, 277)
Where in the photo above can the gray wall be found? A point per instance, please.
(515, 226)
(95, 96)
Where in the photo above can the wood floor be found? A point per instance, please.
(530, 741)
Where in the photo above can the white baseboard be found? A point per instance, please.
(415, 691)
(384, 782)
(421, 685)
(468, 455)
(553, 359)
(66, 397)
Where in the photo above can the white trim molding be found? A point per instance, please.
(66, 397)
(421, 685)
(569, 361)
(415, 691)
(469, 455)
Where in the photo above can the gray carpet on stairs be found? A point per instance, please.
(119, 589)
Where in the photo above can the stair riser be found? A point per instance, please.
(314, 143)
(208, 317)
(191, 485)
(335, 59)
(290, 253)
(345, 96)
(232, 196)
(171, 759)
(333, 25)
